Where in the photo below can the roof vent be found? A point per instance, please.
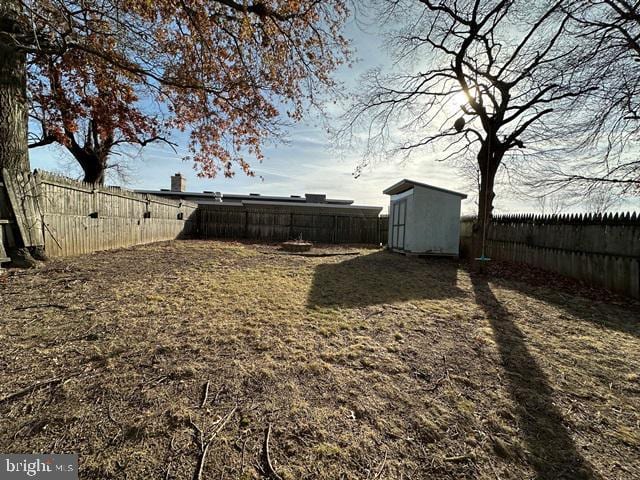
(315, 197)
(254, 194)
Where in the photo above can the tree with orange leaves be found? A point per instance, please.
(103, 73)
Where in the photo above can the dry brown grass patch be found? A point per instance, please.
(364, 365)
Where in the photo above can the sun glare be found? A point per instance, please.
(455, 103)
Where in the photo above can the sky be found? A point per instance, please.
(307, 163)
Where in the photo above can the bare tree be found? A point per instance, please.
(505, 64)
(602, 200)
(551, 204)
(609, 34)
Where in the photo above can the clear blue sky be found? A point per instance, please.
(307, 163)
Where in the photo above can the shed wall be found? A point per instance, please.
(433, 222)
(437, 225)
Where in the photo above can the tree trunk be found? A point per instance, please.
(94, 164)
(14, 151)
(488, 162)
(485, 207)
(94, 170)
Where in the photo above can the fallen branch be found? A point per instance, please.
(436, 384)
(30, 389)
(206, 395)
(244, 444)
(43, 305)
(204, 445)
(458, 458)
(269, 470)
(220, 390)
(380, 470)
(369, 315)
(198, 434)
(222, 423)
(444, 376)
(198, 474)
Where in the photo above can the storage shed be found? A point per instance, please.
(424, 219)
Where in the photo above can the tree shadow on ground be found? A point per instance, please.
(382, 277)
(553, 454)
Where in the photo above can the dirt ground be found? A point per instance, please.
(156, 361)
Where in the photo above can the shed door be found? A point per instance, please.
(398, 219)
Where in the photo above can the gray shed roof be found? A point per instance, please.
(405, 184)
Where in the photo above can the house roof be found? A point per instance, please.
(234, 197)
(405, 184)
(315, 205)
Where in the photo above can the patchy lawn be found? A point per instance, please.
(364, 366)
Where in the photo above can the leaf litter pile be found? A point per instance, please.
(198, 360)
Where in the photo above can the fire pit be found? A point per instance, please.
(296, 246)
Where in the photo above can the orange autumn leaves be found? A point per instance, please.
(229, 73)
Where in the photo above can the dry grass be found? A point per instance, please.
(369, 366)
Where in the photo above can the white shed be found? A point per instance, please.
(424, 219)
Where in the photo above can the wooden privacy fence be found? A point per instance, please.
(69, 217)
(602, 250)
(79, 217)
(279, 223)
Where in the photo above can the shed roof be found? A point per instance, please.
(405, 184)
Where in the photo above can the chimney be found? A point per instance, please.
(315, 197)
(178, 183)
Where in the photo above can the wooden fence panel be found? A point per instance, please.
(79, 218)
(320, 228)
(227, 222)
(602, 250)
(268, 225)
(76, 218)
(280, 223)
(21, 190)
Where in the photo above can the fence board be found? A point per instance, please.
(22, 192)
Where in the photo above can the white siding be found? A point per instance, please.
(432, 221)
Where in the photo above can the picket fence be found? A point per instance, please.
(599, 249)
